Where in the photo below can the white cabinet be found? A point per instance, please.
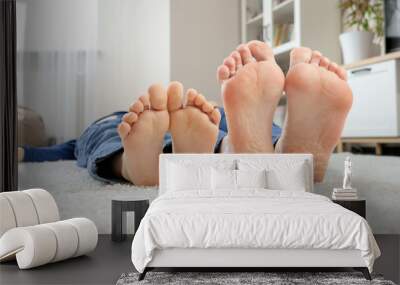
(376, 104)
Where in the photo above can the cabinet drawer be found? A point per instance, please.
(375, 101)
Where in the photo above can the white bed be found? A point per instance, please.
(200, 226)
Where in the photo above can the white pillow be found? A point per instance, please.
(281, 174)
(223, 179)
(188, 177)
(252, 178)
(293, 180)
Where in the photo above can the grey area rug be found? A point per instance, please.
(268, 278)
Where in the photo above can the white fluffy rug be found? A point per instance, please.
(77, 194)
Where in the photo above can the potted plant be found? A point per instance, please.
(364, 18)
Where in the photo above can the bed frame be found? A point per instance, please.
(236, 259)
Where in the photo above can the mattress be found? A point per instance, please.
(251, 218)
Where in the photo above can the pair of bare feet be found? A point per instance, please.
(318, 101)
(191, 120)
(318, 95)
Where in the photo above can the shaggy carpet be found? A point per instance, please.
(243, 278)
(77, 194)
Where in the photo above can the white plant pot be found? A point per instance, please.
(356, 45)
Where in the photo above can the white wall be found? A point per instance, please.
(60, 24)
(134, 40)
(203, 33)
(86, 59)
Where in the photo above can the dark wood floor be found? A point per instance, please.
(110, 260)
(102, 266)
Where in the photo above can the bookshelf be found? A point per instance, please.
(252, 17)
(286, 24)
(255, 20)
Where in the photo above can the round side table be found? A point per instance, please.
(119, 207)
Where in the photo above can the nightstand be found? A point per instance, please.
(357, 206)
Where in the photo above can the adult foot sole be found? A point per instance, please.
(252, 84)
(142, 132)
(319, 100)
(193, 123)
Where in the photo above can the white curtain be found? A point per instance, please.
(59, 86)
(79, 60)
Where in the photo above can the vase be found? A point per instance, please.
(356, 45)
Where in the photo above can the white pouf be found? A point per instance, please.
(37, 245)
(31, 233)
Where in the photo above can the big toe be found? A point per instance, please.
(300, 55)
(175, 96)
(157, 97)
(261, 51)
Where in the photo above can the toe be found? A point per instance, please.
(190, 96)
(316, 57)
(342, 73)
(137, 107)
(175, 96)
(324, 62)
(260, 51)
(238, 60)
(157, 97)
(230, 63)
(333, 67)
(245, 54)
(223, 73)
(207, 107)
(123, 129)
(199, 100)
(215, 116)
(130, 118)
(145, 101)
(300, 55)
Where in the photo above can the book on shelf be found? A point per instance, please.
(283, 33)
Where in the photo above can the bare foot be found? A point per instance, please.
(252, 84)
(319, 100)
(142, 132)
(194, 125)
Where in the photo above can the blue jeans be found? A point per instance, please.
(100, 142)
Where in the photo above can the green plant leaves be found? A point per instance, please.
(365, 15)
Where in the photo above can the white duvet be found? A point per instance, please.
(250, 218)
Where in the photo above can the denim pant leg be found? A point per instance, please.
(64, 151)
(96, 147)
